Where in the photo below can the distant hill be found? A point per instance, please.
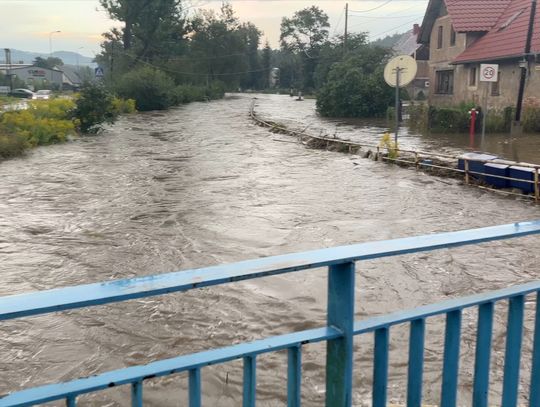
(69, 58)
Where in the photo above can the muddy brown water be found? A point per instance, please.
(202, 185)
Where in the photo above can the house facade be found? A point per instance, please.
(462, 35)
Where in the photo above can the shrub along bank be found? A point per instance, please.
(57, 120)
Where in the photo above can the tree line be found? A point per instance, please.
(200, 55)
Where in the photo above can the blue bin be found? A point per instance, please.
(475, 163)
(500, 170)
(522, 173)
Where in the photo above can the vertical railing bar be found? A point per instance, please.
(483, 355)
(250, 382)
(416, 363)
(380, 368)
(71, 401)
(535, 370)
(514, 334)
(136, 394)
(294, 377)
(195, 388)
(339, 352)
(451, 359)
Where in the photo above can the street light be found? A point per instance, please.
(50, 40)
(78, 49)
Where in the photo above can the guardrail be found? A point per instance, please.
(338, 333)
(420, 159)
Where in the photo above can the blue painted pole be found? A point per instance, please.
(250, 382)
(483, 354)
(136, 394)
(339, 352)
(294, 377)
(535, 371)
(416, 363)
(71, 401)
(380, 368)
(514, 334)
(451, 359)
(195, 388)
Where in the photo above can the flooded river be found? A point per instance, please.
(202, 185)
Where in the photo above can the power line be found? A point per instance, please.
(371, 9)
(392, 29)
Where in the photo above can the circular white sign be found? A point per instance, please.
(405, 66)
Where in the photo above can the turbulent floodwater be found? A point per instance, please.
(201, 185)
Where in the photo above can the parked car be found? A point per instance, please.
(22, 93)
(43, 94)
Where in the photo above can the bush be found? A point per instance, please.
(150, 88)
(94, 106)
(123, 106)
(36, 130)
(531, 115)
(11, 145)
(448, 120)
(418, 116)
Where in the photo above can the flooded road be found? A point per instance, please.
(302, 115)
(202, 185)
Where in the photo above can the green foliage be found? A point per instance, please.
(48, 63)
(36, 126)
(11, 145)
(355, 87)
(531, 115)
(448, 120)
(418, 116)
(390, 145)
(94, 106)
(123, 106)
(150, 88)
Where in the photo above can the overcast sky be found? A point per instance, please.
(27, 24)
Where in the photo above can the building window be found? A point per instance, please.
(472, 76)
(440, 37)
(445, 82)
(496, 86)
(452, 36)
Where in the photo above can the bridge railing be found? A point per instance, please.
(338, 333)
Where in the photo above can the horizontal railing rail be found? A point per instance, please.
(338, 333)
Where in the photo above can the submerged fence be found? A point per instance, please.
(338, 333)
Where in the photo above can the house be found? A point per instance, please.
(408, 45)
(461, 35)
(62, 77)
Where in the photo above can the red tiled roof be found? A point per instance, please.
(475, 15)
(507, 38)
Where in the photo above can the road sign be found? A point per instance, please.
(98, 72)
(489, 73)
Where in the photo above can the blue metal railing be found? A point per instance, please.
(338, 334)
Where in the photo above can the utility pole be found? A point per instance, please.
(7, 51)
(524, 64)
(346, 26)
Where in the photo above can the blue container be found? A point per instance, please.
(476, 163)
(500, 170)
(522, 173)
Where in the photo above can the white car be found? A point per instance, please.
(43, 94)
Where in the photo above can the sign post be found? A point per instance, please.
(488, 73)
(98, 72)
(398, 73)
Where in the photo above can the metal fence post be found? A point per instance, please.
(466, 171)
(536, 186)
(339, 352)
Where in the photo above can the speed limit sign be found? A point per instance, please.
(489, 72)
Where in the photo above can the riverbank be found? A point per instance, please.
(461, 167)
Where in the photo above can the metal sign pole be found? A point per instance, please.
(485, 114)
(398, 69)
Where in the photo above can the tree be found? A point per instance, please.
(356, 87)
(304, 34)
(266, 65)
(151, 27)
(48, 63)
(94, 106)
